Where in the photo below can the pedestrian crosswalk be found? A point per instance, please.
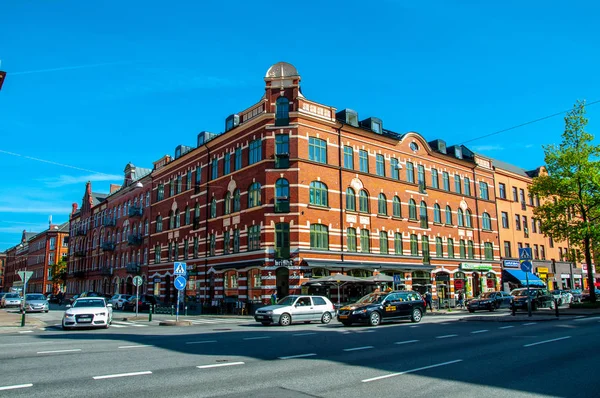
(123, 324)
(216, 320)
(200, 320)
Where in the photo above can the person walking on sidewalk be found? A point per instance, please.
(461, 300)
(274, 297)
(428, 301)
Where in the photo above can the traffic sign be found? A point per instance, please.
(179, 269)
(525, 253)
(25, 275)
(397, 278)
(180, 283)
(526, 266)
(137, 281)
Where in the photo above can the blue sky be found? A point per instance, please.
(94, 85)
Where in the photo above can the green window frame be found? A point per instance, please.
(348, 158)
(380, 165)
(450, 245)
(383, 242)
(394, 169)
(414, 245)
(350, 199)
(439, 247)
(238, 158)
(227, 164)
(437, 214)
(282, 238)
(363, 160)
(365, 241)
(488, 249)
(254, 237)
(318, 194)
(212, 245)
(462, 249)
(363, 201)
(412, 210)
(255, 151)
(471, 249)
(254, 196)
(396, 207)
(227, 204)
(446, 181)
(214, 169)
(382, 205)
(236, 200)
(457, 183)
(236, 241)
(213, 208)
(319, 237)
(226, 242)
(435, 182)
(160, 192)
(467, 186)
(425, 246)
(483, 190)
(317, 150)
(410, 172)
(351, 239)
(398, 243)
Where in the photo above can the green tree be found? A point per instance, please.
(59, 273)
(570, 191)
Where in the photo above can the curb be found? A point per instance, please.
(175, 323)
(509, 318)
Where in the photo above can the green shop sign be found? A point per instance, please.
(475, 267)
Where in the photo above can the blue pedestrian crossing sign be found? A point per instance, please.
(180, 269)
(397, 278)
(525, 254)
(180, 283)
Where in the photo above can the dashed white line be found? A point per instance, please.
(219, 365)
(298, 356)
(26, 331)
(530, 323)
(114, 325)
(446, 336)
(406, 342)
(14, 387)
(411, 371)
(135, 346)
(414, 326)
(304, 334)
(547, 341)
(201, 342)
(257, 338)
(147, 372)
(594, 318)
(367, 347)
(506, 327)
(59, 351)
(480, 331)
(366, 331)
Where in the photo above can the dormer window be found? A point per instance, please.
(377, 127)
(282, 112)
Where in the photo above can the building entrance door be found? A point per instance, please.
(282, 281)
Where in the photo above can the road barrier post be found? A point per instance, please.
(150, 312)
(556, 307)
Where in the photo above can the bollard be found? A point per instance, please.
(513, 308)
(185, 312)
(150, 310)
(556, 307)
(172, 310)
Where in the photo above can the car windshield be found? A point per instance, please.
(289, 300)
(523, 292)
(12, 295)
(35, 297)
(88, 303)
(372, 299)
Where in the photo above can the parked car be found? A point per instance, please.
(10, 300)
(36, 302)
(576, 293)
(72, 299)
(296, 309)
(377, 307)
(2, 295)
(119, 299)
(562, 296)
(585, 295)
(490, 301)
(540, 298)
(88, 312)
(143, 304)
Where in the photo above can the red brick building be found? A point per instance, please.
(44, 250)
(16, 260)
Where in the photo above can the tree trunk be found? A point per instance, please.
(588, 260)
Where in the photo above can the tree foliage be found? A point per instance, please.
(59, 272)
(570, 191)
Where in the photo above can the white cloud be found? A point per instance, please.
(39, 208)
(63, 180)
(482, 148)
(19, 229)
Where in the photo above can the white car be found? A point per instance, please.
(119, 299)
(88, 312)
(296, 309)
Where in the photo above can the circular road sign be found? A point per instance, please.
(526, 266)
(137, 281)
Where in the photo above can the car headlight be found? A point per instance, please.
(269, 312)
(356, 312)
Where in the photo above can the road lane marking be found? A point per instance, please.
(135, 346)
(147, 372)
(506, 327)
(26, 331)
(298, 356)
(480, 331)
(414, 326)
(304, 334)
(547, 341)
(529, 323)
(366, 331)
(218, 365)
(406, 342)
(594, 318)
(411, 371)
(201, 342)
(257, 338)
(446, 336)
(59, 351)
(359, 348)
(14, 387)
(114, 325)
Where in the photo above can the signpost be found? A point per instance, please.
(180, 270)
(526, 266)
(397, 280)
(24, 275)
(137, 282)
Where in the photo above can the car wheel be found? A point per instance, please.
(497, 304)
(374, 318)
(285, 320)
(492, 308)
(416, 315)
(106, 326)
(326, 318)
(65, 327)
(266, 323)
(471, 311)
(46, 311)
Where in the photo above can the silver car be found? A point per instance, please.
(119, 299)
(36, 302)
(296, 309)
(11, 300)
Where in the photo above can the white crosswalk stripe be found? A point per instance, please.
(205, 321)
(125, 324)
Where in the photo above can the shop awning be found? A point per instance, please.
(522, 279)
(368, 265)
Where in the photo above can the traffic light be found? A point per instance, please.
(2, 76)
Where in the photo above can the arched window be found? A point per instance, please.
(177, 219)
(171, 219)
(460, 218)
(351, 239)
(236, 200)
(213, 208)
(197, 212)
(437, 214)
(439, 248)
(468, 220)
(363, 201)
(254, 195)
(350, 199)
(187, 216)
(448, 215)
(227, 203)
(423, 215)
(396, 208)
(412, 210)
(318, 193)
(486, 221)
(382, 205)
(398, 243)
(282, 111)
(282, 196)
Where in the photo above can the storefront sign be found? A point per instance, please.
(490, 283)
(459, 284)
(156, 280)
(542, 270)
(283, 263)
(442, 277)
(511, 263)
(475, 266)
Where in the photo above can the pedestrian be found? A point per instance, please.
(428, 301)
(461, 298)
(274, 297)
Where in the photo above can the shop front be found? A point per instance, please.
(565, 275)
(476, 278)
(544, 272)
(421, 281)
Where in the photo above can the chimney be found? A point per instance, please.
(74, 208)
(50, 221)
(114, 188)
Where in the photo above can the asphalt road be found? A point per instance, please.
(438, 357)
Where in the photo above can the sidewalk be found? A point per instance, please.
(10, 322)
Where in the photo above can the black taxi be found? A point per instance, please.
(378, 307)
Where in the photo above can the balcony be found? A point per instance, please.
(282, 160)
(79, 274)
(108, 246)
(79, 253)
(133, 268)
(282, 205)
(134, 240)
(282, 252)
(136, 211)
(109, 222)
(106, 271)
